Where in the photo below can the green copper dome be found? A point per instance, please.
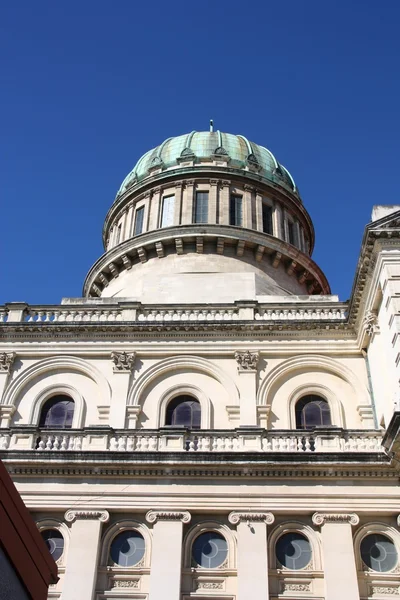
(198, 146)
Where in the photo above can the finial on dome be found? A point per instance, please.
(211, 125)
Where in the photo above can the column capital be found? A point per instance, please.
(247, 361)
(6, 361)
(168, 515)
(322, 518)
(123, 361)
(238, 517)
(72, 515)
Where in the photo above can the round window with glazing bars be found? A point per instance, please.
(54, 542)
(209, 550)
(378, 552)
(293, 551)
(127, 548)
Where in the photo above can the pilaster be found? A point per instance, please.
(338, 555)
(6, 364)
(224, 203)
(166, 557)
(212, 204)
(188, 199)
(83, 553)
(123, 366)
(247, 369)
(252, 553)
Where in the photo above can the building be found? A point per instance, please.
(26, 567)
(208, 421)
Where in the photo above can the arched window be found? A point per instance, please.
(54, 542)
(209, 550)
(184, 411)
(293, 550)
(57, 412)
(127, 548)
(312, 411)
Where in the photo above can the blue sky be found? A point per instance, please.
(89, 86)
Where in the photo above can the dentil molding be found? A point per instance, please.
(158, 515)
(238, 517)
(322, 518)
(72, 515)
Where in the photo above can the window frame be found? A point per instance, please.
(195, 206)
(233, 204)
(171, 215)
(372, 528)
(139, 210)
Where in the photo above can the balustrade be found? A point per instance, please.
(193, 441)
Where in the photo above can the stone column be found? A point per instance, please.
(247, 368)
(129, 223)
(252, 554)
(155, 210)
(247, 206)
(122, 367)
(187, 205)
(178, 202)
(166, 556)
(259, 220)
(6, 363)
(212, 205)
(224, 203)
(83, 553)
(339, 563)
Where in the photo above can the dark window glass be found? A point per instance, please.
(54, 542)
(267, 218)
(312, 411)
(201, 208)
(127, 548)
(291, 233)
(378, 552)
(209, 550)
(184, 411)
(293, 551)
(139, 221)
(57, 413)
(235, 210)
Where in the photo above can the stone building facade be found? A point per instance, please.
(208, 421)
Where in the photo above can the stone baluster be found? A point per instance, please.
(166, 558)
(252, 554)
(338, 555)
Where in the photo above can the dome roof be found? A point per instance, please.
(200, 145)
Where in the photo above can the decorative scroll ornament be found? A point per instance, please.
(238, 517)
(72, 515)
(6, 361)
(247, 361)
(322, 518)
(123, 362)
(158, 515)
(370, 322)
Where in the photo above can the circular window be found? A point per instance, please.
(378, 552)
(127, 548)
(293, 551)
(54, 542)
(209, 550)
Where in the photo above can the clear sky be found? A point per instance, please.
(87, 87)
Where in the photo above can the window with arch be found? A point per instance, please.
(209, 550)
(312, 411)
(184, 411)
(54, 541)
(57, 412)
(293, 550)
(378, 552)
(127, 548)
